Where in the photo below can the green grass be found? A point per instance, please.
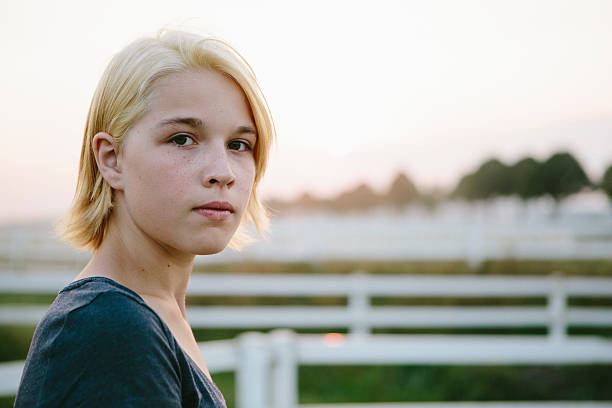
(338, 384)
(453, 383)
(15, 342)
(226, 384)
(26, 299)
(7, 402)
(321, 384)
(601, 267)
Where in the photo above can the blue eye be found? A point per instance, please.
(239, 145)
(182, 139)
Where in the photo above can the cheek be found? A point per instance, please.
(247, 174)
(159, 183)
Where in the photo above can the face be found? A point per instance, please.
(187, 165)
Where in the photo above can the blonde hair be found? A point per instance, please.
(121, 98)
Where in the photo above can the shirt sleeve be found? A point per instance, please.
(113, 352)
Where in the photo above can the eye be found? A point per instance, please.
(239, 145)
(182, 139)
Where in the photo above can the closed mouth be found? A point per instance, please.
(217, 205)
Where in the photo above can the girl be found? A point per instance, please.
(176, 141)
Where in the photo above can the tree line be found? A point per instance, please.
(558, 176)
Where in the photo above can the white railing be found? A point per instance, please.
(266, 364)
(467, 235)
(273, 359)
(360, 316)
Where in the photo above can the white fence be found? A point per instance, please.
(359, 315)
(266, 364)
(507, 229)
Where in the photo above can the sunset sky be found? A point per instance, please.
(358, 90)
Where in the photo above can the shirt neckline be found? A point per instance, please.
(79, 282)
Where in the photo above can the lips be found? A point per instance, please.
(217, 205)
(215, 210)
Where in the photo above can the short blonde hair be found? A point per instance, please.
(121, 98)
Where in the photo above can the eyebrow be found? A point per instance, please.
(245, 129)
(197, 123)
(192, 122)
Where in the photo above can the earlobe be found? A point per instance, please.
(106, 152)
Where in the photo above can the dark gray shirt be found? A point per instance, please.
(101, 345)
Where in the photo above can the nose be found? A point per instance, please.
(218, 171)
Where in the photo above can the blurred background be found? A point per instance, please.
(414, 138)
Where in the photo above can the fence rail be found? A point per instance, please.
(359, 315)
(472, 234)
(266, 364)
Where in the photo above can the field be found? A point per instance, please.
(319, 384)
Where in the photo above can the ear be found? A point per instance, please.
(106, 152)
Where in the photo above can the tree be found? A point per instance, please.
(307, 202)
(562, 175)
(360, 198)
(402, 191)
(492, 178)
(526, 177)
(606, 182)
(466, 188)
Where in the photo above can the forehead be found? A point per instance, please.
(208, 94)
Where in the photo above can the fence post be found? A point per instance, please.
(252, 371)
(17, 249)
(475, 249)
(284, 369)
(358, 304)
(557, 309)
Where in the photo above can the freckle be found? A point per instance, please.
(168, 265)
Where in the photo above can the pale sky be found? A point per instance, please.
(358, 90)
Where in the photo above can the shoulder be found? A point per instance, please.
(106, 319)
(114, 322)
(99, 313)
(109, 343)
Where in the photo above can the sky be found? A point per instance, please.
(358, 90)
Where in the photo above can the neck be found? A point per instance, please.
(130, 257)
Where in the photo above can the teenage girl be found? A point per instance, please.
(176, 141)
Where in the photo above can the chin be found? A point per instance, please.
(210, 248)
(208, 243)
(209, 251)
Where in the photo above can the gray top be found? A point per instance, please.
(101, 345)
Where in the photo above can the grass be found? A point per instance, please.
(332, 384)
(8, 402)
(601, 267)
(15, 342)
(337, 384)
(453, 383)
